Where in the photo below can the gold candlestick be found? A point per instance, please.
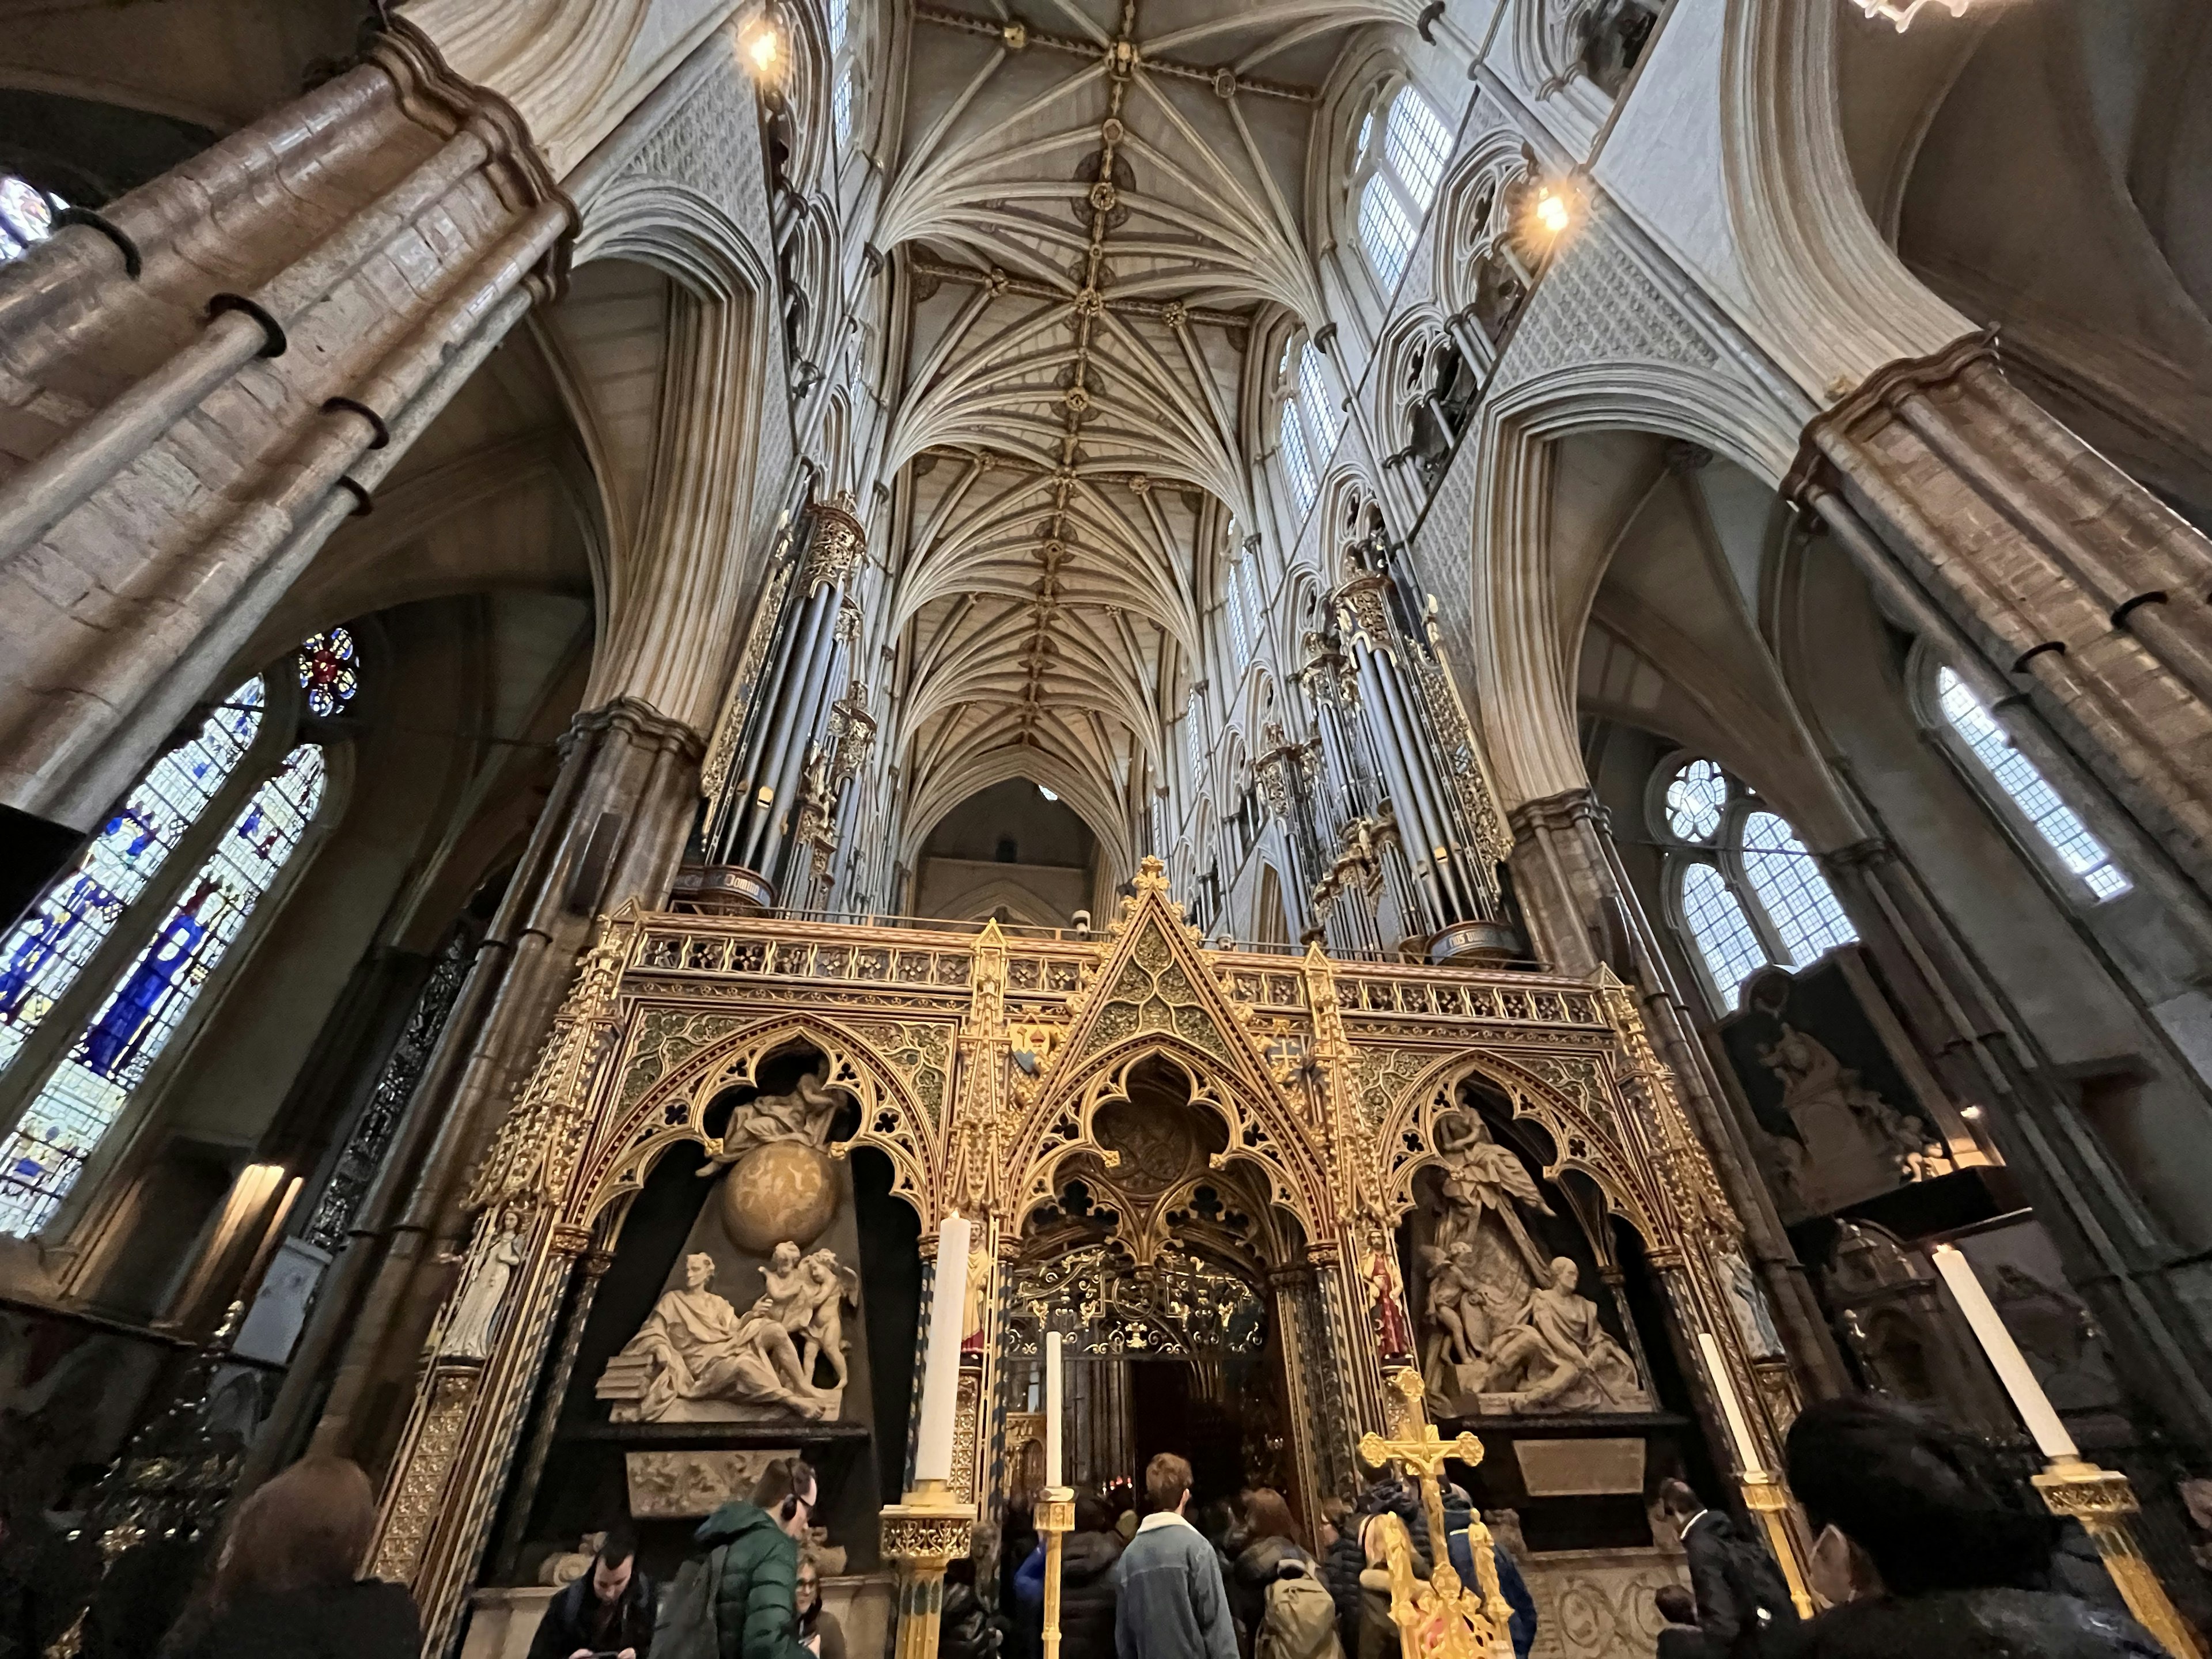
(2101, 1500)
(1055, 1519)
(924, 1534)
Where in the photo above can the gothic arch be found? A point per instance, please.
(680, 1059)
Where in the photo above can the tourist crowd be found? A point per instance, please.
(1921, 1544)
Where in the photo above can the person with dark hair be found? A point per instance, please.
(1088, 1557)
(1681, 1639)
(1169, 1602)
(1922, 1545)
(287, 1582)
(1347, 1558)
(608, 1609)
(1741, 1592)
(748, 1565)
(818, 1628)
(1271, 1539)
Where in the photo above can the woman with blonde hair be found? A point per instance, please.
(288, 1581)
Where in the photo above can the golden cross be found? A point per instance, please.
(1422, 1454)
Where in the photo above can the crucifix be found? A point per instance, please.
(1454, 1617)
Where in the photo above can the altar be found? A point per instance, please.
(1264, 1203)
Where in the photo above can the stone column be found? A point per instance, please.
(207, 378)
(2081, 589)
(1582, 911)
(612, 831)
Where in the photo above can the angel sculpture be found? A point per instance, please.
(829, 1285)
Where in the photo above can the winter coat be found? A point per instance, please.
(1521, 1628)
(570, 1619)
(756, 1610)
(1375, 1633)
(1733, 1579)
(1169, 1602)
(1981, 1624)
(367, 1620)
(1347, 1558)
(1249, 1575)
(1087, 1561)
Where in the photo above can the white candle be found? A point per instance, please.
(2012, 1370)
(941, 1377)
(1747, 1452)
(1052, 1408)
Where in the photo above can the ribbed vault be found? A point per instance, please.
(1091, 211)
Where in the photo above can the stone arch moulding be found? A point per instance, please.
(1576, 1106)
(678, 1057)
(1063, 1126)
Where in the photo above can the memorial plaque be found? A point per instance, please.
(1580, 1468)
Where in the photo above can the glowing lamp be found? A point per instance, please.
(1901, 12)
(1552, 212)
(762, 50)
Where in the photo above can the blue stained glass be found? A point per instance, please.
(88, 1092)
(42, 956)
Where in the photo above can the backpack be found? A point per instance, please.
(1300, 1621)
(686, 1628)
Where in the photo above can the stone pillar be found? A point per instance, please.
(206, 380)
(611, 831)
(2081, 589)
(1582, 912)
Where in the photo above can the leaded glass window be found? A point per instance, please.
(328, 673)
(1295, 462)
(87, 1092)
(1386, 231)
(1313, 387)
(2025, 786)
(840, 16)
(1749, 893)
(1415, 143)
(43, 956)
(1721, 931)
(27, 214)
(842, 105)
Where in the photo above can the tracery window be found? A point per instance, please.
(328, 673)
(2014, 777)
(1313, 392)
(1746, 891)
(840, 16)
(61, 1094)
(840, 106)
(1396, 179)
(1295, 462)
(27, 214)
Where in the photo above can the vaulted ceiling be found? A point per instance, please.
(1095, 208)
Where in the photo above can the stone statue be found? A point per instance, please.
(697, 1359)
(1856, 1141)
(807, 1294)
(1556, 1357)
(484, 1288)
(803, 1115)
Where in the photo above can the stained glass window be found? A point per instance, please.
(1694, 800)
(1795, 895)
(48, 948)
(27, 214)
(88, 1092)
(1296, 461)
(1416, 142)
(328, 671)
(2017, 775)
(1723, 933)
(1386, 232)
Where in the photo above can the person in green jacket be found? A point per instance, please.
(756, 1612)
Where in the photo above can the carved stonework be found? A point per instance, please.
(680, 1485)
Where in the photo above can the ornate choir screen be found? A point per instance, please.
(1310, 1175)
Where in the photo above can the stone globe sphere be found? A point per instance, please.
(786, 1190)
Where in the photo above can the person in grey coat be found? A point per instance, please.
(1170, 1604)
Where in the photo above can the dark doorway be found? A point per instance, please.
(1159, 1401)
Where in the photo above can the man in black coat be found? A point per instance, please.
(1741, 1592)
(607, 1610)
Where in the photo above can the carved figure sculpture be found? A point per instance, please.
(696, 1358)
(829, 1285)
(802, 1116)
(1846, 1126)
(484, 1288)
(1557, 1357)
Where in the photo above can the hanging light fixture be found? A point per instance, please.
(1902, 12)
